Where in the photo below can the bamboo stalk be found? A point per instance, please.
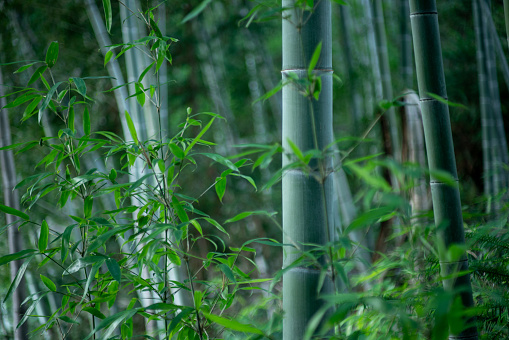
(11, 199)
(306, 197)
(439, 144)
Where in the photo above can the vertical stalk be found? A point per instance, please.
(439, 144)
(506, 13)
(306, 197)
(385, 73)
(11, 199)
(406, 45)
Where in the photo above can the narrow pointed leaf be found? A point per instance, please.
(17, 279)
(43, 236)
(107, 14)
(131, 127)
(52, 54)
(15, 212)
(48, 283)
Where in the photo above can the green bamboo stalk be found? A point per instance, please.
(11, 199)
(484, 99)
(406, 45)
(306, 197)
(506, 12)
(439, 144)
(385, 73)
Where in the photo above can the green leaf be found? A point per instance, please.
(52, 54)
(17, 279)
(197, 138)
(217, 225)
(181, 213)
(80, 86)
(95, 312)
(370, 217)
(197, 10)
(142, 75)
(114, 269)
(112, 322)
(232, 324)
(12, 257)
(25, 67)
(47, 100)
(445, 101)
(15, 212)
(220, 186)
(30, 109)
(86, 122)
(245, 214)
(107, 57)
(140, 94)
(37, 74)
(66, 236)
(48, 283)
(107, 14)
(220, 159)
(43, 236)
(131, 127)
(227, 272)
(297, 151)
(84, 262)
(314, 58)
(176, 150)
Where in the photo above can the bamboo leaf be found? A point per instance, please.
(107, 14)
(314, 59)
(80, 86)
(12, 257)
(176, 150)
(17, 279)
(140, 94)
(107, 57)
(220, 187)
(197, 138)
(132, 129)
(95, 312)
(245, 214)
(25, 67)
(52, 54)
(37, 74)
(114, 269)
(48, 283)
(197, 10)
(220, 159)
(181, 213)
(232, 324)
(112, 322)
(43, 236)
(227, 272)
(47, 100)
(15, 212)
(66, 236)
(142, 75)
(86, 122)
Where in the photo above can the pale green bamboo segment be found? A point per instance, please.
(385, 73)
(306, 196)
(438, 137)
(484, 99)
(506, 13)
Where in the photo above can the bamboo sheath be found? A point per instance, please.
(439, 144)
(306, 197)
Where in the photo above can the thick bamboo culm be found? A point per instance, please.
(439, 144)
(306, 196)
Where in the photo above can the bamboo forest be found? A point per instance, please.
(254, 169)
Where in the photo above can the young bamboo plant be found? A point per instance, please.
(164, 228)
